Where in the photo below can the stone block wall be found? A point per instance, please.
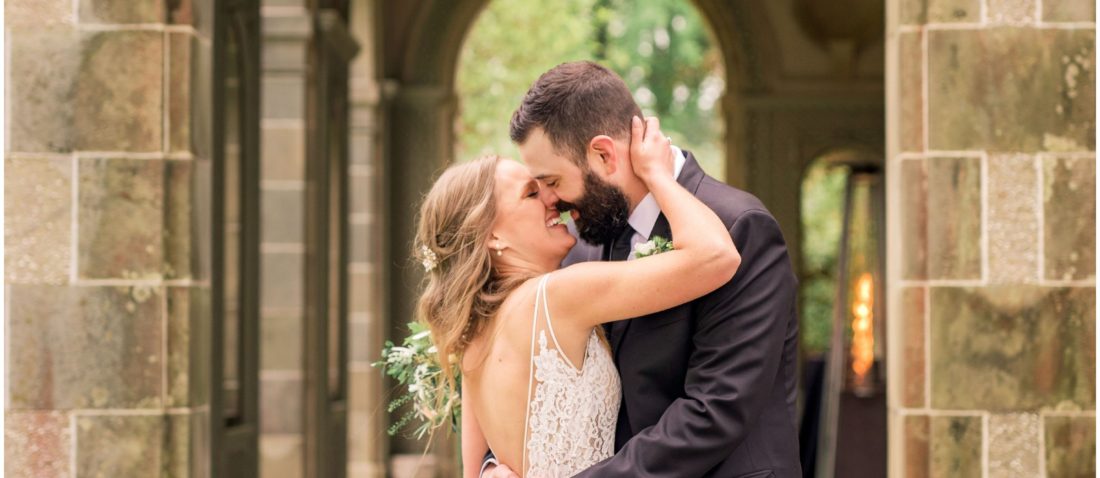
(107, 172)
(991, 231)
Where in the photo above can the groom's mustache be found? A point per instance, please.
(565, 206)
(602, 210)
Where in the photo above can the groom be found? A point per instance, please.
(709, 386)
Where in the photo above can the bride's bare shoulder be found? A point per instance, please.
(518, 305)
(512, 321)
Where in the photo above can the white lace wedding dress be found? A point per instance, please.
(571, 412)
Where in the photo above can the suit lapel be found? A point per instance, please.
(690, 178)
(661, 228)
(692, 175)
(605, 255)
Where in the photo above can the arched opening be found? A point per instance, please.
(842, 315)
(788, 96)
(822, 217)
(664, 50)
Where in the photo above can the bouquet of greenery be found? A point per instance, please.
(416, 368)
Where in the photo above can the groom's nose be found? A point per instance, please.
(547, 195)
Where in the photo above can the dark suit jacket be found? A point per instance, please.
(709, 386)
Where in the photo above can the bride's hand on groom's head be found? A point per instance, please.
(650, 150)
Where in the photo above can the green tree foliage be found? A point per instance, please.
(822, 220)
(661, 48)
(510, 45)
(664, 52)
(666, 55)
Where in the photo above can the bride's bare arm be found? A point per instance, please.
(704, 257)
(474, 444)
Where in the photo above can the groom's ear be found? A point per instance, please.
(602, 155)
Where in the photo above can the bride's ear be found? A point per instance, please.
(497, 245)
(602, 155)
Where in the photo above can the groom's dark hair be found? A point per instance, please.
(572, 103)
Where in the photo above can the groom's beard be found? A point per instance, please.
(603, 209)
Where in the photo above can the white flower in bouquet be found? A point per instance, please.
(415, 366)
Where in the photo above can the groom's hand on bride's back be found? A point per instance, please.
(498, 471)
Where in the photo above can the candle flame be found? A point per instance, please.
(863, 328)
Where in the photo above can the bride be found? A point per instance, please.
(539, 386)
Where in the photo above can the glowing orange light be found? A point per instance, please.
(863, 328)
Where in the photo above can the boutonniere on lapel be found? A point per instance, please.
(652, 247)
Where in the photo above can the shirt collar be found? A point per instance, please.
(645, 214)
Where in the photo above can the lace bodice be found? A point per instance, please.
(571, 412)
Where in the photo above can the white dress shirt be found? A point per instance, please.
(641, 220)
(645, 214)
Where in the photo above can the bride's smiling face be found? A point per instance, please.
(529, 231)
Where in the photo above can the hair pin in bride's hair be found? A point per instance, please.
(428, 258)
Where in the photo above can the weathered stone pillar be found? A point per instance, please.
(419, 130)
(287, 29)
(367, 420)
(782, 135)
(737, 164)
(991, 205)
(108, 194)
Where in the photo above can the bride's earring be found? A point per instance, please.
(500, 250)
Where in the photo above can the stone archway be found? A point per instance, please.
(424, 41)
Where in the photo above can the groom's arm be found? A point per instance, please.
(738, 341)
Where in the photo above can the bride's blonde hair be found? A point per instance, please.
(461, 289)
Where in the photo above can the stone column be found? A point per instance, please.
(367, 420)
(783, 136)
(735, 139)
(418, 128)
(107, 170)
(991, 205)
(287, 29)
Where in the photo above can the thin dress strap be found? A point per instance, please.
(550, 327)
(540, 296)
